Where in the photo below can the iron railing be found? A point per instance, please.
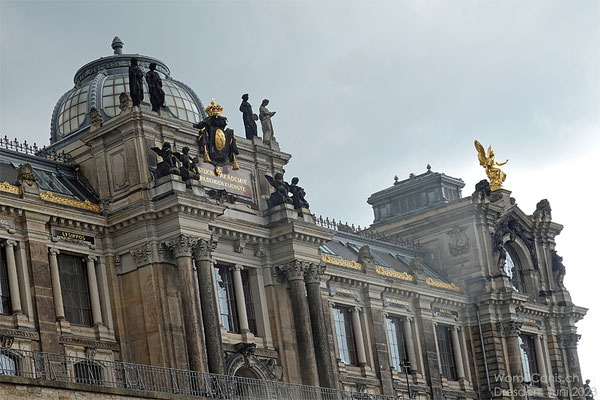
(368, 233)
(33, 149)
(114, 374)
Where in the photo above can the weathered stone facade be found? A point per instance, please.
(182, 275)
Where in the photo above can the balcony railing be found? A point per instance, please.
(114, 374)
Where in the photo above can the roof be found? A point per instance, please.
(58, 177)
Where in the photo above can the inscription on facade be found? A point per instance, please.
(445, 312)
(235, 182)
(339, 291)
(390, 301)
(73, 237)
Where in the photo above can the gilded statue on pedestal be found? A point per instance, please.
(488, 162)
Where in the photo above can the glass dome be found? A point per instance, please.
(99, 83)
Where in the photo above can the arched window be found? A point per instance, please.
(514, 269)
(9, 365)
(88, 372)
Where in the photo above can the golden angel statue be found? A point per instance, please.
(496, 176)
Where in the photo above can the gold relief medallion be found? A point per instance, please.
(219, 139)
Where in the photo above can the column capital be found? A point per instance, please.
(10, 242)
(409, 319)
(91, 258)
(204, 248)
(294, 270)
(509, 328)
(238, 267)
(569, 340)
(53, 250)
(456, 328)
(181, 245)
(314, 272)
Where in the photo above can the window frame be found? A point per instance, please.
(529, 358)
(69, 310)
(4, 284)
(229, 318)
(396, 339)
(446, 351)
(344, 334)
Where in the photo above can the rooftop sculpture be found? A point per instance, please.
(488, 162)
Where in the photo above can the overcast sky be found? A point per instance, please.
(363, 91)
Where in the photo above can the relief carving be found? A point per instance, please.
(459, 241)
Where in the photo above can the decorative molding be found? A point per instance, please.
(19, 333)
(341, 262)
(344, 292)
(238, 246)
(509, 328)
(142, 255)
(459, 241)
(393, 302)
(294, 270)
(181, 245)
(7, 187)
(85, 205)
(257, 352)
(568, 340)
(394, 274)
(88, 343)
(204, 248)
(442, 285)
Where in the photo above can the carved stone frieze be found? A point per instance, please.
(459, 241)
(509, 328)
(19, 333)
(246, 356)
(89, 343)
(142, 255)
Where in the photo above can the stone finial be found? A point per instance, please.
(125, 102)
(542, 209)
(117, 45)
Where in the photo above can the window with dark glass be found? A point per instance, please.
(342, 317)
(528, 358)
(444, 340)
(248, 299)
(75, 289)
(395, 331)
(514, 270)
(226, 295)
(5, 306)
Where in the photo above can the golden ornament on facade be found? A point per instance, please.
(86, 205)
(443, 285)
(393, 274)
(219, 139)
(7, 187)
(214, 109)
(488, 162)
(341, 262)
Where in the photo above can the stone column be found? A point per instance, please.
(312, 280)
(93, 286)
(208, 301)
(458, 358)
(24, 284)
(59, 309)
(539, 355)
(568, 342)
(410, 344)
(294, 272)
(437, 348)
(358, 337)
(181, 247)
(511, 331)
(13, 282)
(240, 300)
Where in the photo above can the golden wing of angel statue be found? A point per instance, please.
(488, 162)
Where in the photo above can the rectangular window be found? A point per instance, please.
(5, 306)
(75, 290)
(528, 358)
(248, 299)
(342, 317)
(444, 340)
(226, 295)
(395, 329)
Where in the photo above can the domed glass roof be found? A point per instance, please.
(99, 83)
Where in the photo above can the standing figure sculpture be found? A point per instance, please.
(136, 82)
(280, 195)
(157, 94)
(189, 165)
(265, 121)
(488, 162)
(248, 117)
(298, 194)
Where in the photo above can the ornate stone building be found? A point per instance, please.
(116, 271)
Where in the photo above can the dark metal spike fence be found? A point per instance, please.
(367, 233)
(115, 374)
(33, 149)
